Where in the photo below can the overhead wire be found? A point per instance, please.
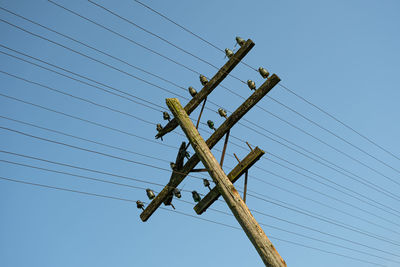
(147, 82)
(187, 30)
(285, 205)
(149, 182)
(143, 188)
(149, 122)
(309, 237)
(292, 125)
(95, 152)
(179, 212)
(322, 218)
(161, 38)
(45, 86)
(364, 181)
(281, 85)
(90, 46)
(87, 56)
(261, 180)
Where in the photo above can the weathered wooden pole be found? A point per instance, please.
(254, 232)
(178, 177)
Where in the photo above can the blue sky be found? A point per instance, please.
(340, 55)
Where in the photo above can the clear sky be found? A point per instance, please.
(323, 194)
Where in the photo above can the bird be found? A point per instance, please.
(206, 183)
(196, 196)
(166, 116)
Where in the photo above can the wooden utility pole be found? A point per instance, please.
(178, 176)
(254, 232)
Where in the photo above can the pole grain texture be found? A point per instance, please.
(254, 232)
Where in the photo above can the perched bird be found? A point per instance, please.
(159, 129)
(203, 80)
(192, 91)
(196, 196)
(206, 183)
(222, 112)
(240, 41)
(150, 193)
(210, 124)
(251, 84)
(166, 116)
(140, 205)
(264, 73)
(228, 53)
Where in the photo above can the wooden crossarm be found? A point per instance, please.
(233, 176)
(210, 86)
(178, 177)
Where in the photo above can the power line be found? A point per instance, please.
(89, 57)
(321, 218)
(80, 81)
(80, 168)
(359, 179)
(156, 167)
(327, 196)
(281, 85)
(83, 139)
(94, 151)
(339, 121)
(142, 188)
(161, 38)
(91, 102)
(261, 180)
(312, 238)
(347, 142)
(321, 232)
(380, 189)
(372, 201)
(187, 30)
(84, 120)
(143, 181)
(77, 97)
(129, 151)
(179, 212)
(91, 47)
(126, 38)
